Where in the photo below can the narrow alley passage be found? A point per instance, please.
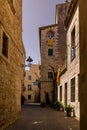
(34, 117)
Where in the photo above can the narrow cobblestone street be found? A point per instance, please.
(33, 117)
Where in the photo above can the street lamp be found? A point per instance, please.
(29, 60)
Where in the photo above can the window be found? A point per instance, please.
(50, 75)
(50, 35)
(60, 93)
(5, 45)
(29, 97)
(11, 3)
(78, 88)
(29, 77)
(73, 90)
(50, 52)
(73, 44)
(29, 87)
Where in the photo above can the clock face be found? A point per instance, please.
(50, 38)
(50, 35)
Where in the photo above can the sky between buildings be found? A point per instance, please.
(36, 13)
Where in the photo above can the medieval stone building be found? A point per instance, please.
(53, 50)
(31, 89)
(68, 90)
(12, 56)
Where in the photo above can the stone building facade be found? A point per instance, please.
(12, 56)
(32, 76)
(52, 50)
(68, 90)
(83, 64)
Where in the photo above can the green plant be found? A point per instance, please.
(57, 105)
(69, 108)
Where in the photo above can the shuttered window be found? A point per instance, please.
(50, 52)
(73, 44)
(73, 90)
(60, 93)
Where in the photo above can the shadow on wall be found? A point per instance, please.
(22, 100)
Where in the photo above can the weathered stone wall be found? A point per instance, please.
(83, 63)
(47, 62)
(34, 92)
(11, 71)
(51, 63)
(73, 67)
(61, 11)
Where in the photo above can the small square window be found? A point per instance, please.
(29, 77)
(50, 52)
(29, 87)
(5, 45)
(50, 75)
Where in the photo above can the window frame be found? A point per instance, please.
(29, 77)
(5, 44)
(60, 93)
(73, 51)
(29, 87)
(73, 89)
(50, 75)
(50, 51)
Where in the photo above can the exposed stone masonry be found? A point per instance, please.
(11, 71)
(52, 63)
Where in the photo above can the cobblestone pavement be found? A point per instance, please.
(34, 117)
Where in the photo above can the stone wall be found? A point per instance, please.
(11, 71)
(73, 67)
(34, 73)
(51, 63)
(83, 63)
(48, 63)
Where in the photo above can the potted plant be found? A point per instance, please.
(69, 109)
(57, 105)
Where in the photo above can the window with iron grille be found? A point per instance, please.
(50, 75)
(73, 44)
(5, 45)
(60, 93)
(73, 90)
